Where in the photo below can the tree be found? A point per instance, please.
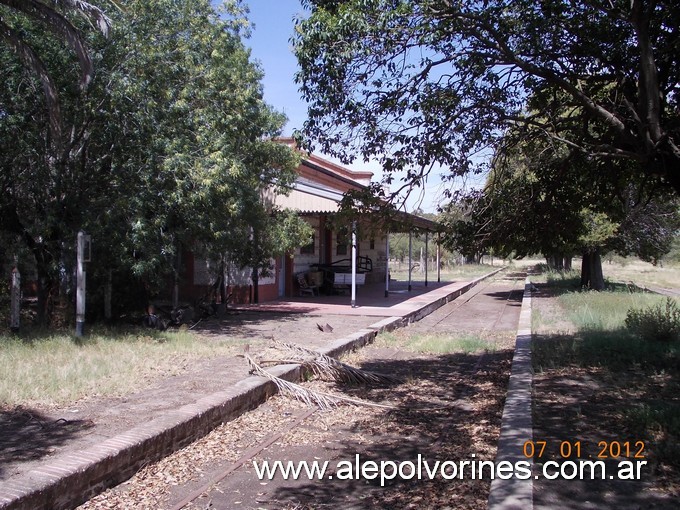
(414, 83)
(169, 148)
(537, 200)
(63, 29)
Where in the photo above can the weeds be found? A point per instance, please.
(57, 368)
(611, 343)
(657, 323)
(433, 343)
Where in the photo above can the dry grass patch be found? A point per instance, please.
(399, 271)
(57, 368)
(446, 343)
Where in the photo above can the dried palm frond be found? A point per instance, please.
(324, 366)
(320, 399)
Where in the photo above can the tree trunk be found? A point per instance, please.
(555, 261)
(591, 271)
(46, 284)
(108, 291)
(567, 262)
(15, 297)
(45, 289)
(256, 285)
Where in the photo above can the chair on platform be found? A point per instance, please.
(305, 287)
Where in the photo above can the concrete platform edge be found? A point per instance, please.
(516, 423)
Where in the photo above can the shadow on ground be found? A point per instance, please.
(27, 434)
(514, 296)
(446, 411)
(246, 324)
(617, 397)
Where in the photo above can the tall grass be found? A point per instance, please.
(55, 369)
(602, 338)
(440, 343)
(604, 311)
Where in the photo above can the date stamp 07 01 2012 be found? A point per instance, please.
(570, 449)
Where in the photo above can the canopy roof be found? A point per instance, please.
(321, 185)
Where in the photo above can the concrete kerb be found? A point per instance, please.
(516, 423)
(113, 461)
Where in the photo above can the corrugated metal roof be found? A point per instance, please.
(305, 202)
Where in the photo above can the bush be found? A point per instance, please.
(659, 323)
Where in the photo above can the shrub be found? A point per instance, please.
(660, 323)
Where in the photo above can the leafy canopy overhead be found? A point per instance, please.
(538, 200)
(415, 83)
(59, 26)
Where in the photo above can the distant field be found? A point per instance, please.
(399, 271)
(625, 270)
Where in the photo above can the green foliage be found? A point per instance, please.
(658, 323)
(171, 148)
(50, 17)
(540, 200)
(673, 256)
(417, 83)
(599, 229)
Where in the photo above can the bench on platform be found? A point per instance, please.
(344, 280)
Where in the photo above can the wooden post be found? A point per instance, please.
(15, 296)
(175, 288)
(256, 269)
(108, 290)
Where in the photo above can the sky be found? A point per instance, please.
(270, 45)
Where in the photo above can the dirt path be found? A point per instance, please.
(447, 408)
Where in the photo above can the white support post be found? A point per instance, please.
(354, 264)
(410, 258)
(426, 259)
(80, 283)
(439, 272)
